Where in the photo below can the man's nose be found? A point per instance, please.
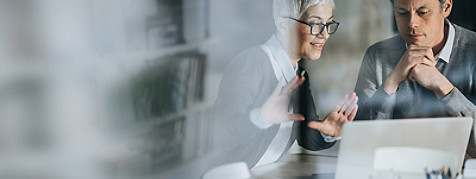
(413, 21)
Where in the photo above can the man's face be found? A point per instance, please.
(420, 22)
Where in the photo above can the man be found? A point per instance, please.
(252, 107)
(428, 70)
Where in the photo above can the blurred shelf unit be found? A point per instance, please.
(140, 57)
(168, 85)
(168, 101)
(171, 74)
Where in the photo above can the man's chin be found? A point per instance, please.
(416, 42)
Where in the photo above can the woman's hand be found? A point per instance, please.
(275, 109)
(344, 112)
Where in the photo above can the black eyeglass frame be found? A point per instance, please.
(311, 25)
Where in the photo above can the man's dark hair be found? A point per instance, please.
(441, 2)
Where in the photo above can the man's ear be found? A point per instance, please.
(447, 6)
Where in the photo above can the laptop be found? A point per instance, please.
(361, 139)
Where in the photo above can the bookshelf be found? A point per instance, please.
(162, 80)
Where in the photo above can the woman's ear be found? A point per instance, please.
(447, 6)
(281, 24)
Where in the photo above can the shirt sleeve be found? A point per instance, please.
(458, 105)
(374, 102)
(330, 138)
(236, 101)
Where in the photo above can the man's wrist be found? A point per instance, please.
(444, 89)
(390, 86)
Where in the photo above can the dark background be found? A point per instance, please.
(464, 14)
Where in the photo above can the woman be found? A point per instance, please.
(260, 88)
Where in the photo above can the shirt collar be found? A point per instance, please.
(281, 58)
(446, 51)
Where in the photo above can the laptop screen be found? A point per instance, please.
(361, 139)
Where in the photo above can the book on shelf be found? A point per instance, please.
(166, 28)
(169, 85)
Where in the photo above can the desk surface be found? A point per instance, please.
(298, 166)
(308, 166)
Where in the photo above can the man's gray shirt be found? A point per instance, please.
(411, 100)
